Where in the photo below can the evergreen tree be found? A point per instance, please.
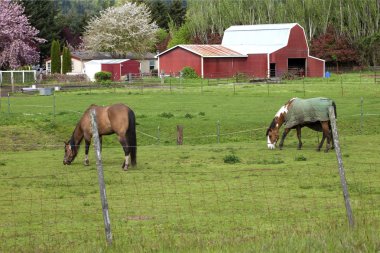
(55, 57)
(177, 12)
(159, 13)
(66, 60)
(42, 15)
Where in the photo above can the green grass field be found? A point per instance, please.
(203, 196)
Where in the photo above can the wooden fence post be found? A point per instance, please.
(102, 186)
(218, 132)
(158, 135)
(361, 115)
(341, 168)
(179, 135)
(9, 104)
(54, 107)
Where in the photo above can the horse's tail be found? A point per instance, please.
(131, 136)
(334, 105)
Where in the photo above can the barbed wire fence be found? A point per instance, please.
(61, 209)
(52, 209)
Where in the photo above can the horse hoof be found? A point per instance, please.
(86, 162)
(326, 150)
(125, 168)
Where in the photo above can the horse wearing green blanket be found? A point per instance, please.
(298, 113)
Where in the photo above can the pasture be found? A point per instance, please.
(222, 191)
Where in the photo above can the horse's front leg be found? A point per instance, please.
(284, 134)
(299, 137)
(87, 147)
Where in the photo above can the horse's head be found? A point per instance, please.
(273, 131)
(272, 137)
(70, 153)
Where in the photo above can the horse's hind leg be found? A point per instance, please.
(124, 144)
(321, 143)
(326, 134)
(299, 137)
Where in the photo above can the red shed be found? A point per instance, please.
(257, 50)
(117, 67)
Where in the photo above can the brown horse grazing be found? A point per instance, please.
(118, 119)
(298, 113)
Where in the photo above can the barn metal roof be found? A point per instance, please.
(256, 39)
(209, 51)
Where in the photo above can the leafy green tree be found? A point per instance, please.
(179, 35)
(66, 60)
(162, 39)
(55, 57)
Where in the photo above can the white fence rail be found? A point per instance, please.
(17, 76)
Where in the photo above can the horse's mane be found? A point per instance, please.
(272, 125)
(72, 139)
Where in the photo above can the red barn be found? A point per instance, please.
(117, 67)
(257, 50)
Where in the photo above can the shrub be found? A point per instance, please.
(188, 116)
(103, 76)
(188, 72)
(241, 77)
(60, 78)
(231, 159)
(167, 115)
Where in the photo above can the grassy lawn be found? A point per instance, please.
(204, 196)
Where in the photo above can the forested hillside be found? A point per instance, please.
(353, 24)
(340, 31)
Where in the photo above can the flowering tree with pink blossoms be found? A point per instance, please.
(18, 39)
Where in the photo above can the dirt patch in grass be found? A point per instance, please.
(139, 217)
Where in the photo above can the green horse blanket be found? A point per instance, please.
(307, 110)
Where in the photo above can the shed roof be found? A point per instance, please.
(107, 61)
(256, 39)
(89, 55)
(209, 51)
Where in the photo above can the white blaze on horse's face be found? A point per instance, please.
(271, 145)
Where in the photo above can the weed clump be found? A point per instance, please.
(300, 158)
(189, 116)
(231, 159)
(167, 115)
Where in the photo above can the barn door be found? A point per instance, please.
(272, 70)
(297, 66)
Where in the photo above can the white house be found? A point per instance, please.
(78, 60)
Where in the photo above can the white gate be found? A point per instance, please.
(18, 76)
